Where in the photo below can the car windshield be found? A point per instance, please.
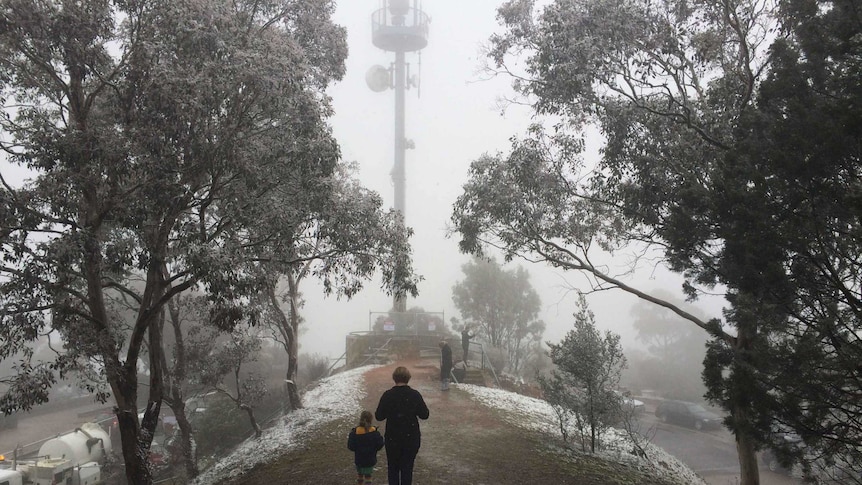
(695, 408)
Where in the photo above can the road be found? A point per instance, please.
(32, 431)
(712, 454)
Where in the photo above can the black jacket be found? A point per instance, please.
(445, 361)
(402, 407)
(365, 442)
(465, 339)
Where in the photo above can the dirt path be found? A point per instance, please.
(463, 442)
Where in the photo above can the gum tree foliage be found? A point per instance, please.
(339, 234)
(155, 133)
(731, 151)
(587, 370)
(217, 361)
(502, 305)
(220, 428)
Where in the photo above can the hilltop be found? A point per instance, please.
(475, 435)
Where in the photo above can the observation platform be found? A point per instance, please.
(405, 32)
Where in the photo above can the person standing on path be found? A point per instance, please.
(401, 407)
(465, 342)
(445, 365)
(364, 441)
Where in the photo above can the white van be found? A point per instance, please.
(11, 477)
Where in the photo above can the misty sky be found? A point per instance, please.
(457, 118)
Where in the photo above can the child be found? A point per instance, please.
(365, 441)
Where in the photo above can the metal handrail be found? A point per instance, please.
(339, 359)
(482, 362)
(374, 354)
(484, 356)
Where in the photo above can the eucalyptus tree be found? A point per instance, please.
(180, 313)
(339, 234)
(151, 131)
(706, 109)
(217, 361)
(502, 305)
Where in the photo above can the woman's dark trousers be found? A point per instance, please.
(400, 463)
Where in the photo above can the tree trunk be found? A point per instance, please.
(154, 406)
(740, 406)
(745, 447)
(248, 410)
(293, 351)
(174, 378)
(173, 381)
(187, 448)
(123, 379)
(748, 471)
(154, 403)
(134, 455)
(294, 401)
(289, 330)
(137, 436)
(593, 423)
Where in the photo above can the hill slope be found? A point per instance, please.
(474, 436)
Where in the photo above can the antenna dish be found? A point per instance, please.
(377, 78)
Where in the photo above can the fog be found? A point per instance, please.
(453, 118)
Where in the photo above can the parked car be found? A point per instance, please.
(769, 458)
(834, 470)
(688, 414)
(631, 405)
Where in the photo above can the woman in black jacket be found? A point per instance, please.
(445, 365)
(365, 441)
(401, 407)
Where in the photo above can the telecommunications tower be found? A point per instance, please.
(399, 27)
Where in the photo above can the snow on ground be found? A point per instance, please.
(537, 415)
(335, 397)
(339, 396)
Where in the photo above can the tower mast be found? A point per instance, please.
(400, 28)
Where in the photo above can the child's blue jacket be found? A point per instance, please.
(365, 443)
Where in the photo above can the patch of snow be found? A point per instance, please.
(537, 415)
(335, 397)
(339, 397)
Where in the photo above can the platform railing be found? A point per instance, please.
(374, 354)
(484, 360)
